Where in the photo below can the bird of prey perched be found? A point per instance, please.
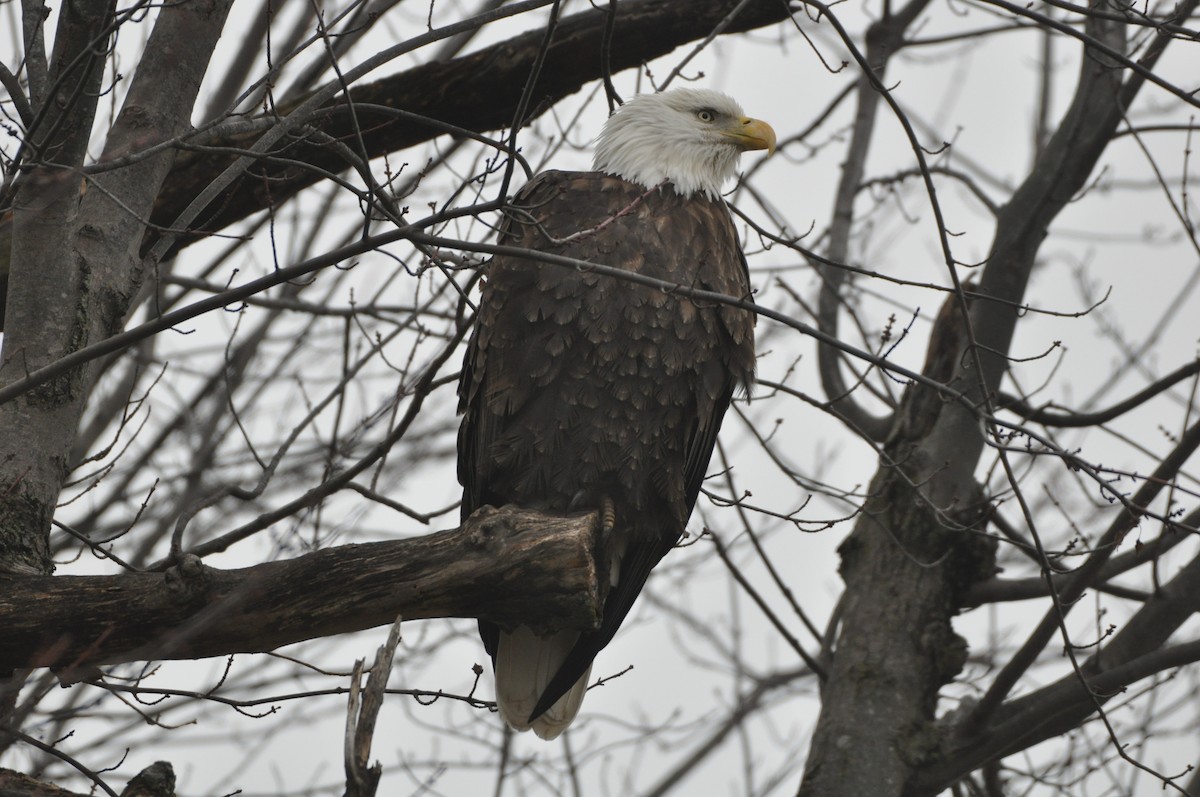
(586, 391)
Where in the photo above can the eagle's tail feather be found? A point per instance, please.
(525, 665)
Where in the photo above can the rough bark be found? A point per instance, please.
(45, 276)
(362, 715)
(906, 565)
(912, 555)
(156, 780)
(17, 784)
(507, 565)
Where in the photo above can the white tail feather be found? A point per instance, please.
(525, 663)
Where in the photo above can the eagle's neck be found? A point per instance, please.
(649, 155)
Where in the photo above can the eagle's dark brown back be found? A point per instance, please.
(578, 386)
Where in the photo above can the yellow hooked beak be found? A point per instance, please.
(752, 134)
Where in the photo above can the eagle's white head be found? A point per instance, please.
(692, 137)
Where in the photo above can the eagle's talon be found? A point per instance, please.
(608, 516)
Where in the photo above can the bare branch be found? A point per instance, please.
(479, 92)
(505, 565)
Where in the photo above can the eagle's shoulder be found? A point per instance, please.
(577, 211)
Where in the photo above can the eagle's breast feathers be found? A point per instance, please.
(585, 380)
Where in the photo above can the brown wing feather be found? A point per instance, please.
(578, 386)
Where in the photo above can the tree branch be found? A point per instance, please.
(478, 92)
(884, 39)
(156, 780)
(1137, 651)
(506, 565)
(1069, 419)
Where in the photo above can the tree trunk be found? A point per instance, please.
(906, 565)
(913, 551)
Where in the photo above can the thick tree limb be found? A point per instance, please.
(478, 92)
(17, 784)
(906, 565)
(880, 699)
(41, 265)
(507, 565)
(156, 780)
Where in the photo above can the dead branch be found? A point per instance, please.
(361, 715)
(506, 565)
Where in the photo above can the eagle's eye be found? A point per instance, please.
(706, 115)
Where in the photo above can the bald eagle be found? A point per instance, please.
(584, 391)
